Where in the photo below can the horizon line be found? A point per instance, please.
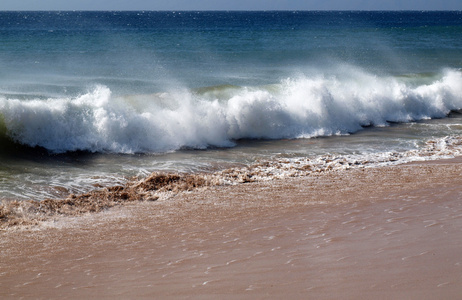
(231, 10)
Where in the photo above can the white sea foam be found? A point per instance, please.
(295, 108)
(279, 168)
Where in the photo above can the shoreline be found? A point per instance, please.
(15, 214)
(371, 232)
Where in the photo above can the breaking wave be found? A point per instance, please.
(302, 107)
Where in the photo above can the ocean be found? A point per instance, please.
(89, 99)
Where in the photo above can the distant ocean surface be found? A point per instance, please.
(91, 98)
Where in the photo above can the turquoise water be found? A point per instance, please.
(90, 97)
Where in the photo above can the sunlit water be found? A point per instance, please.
(92, 98)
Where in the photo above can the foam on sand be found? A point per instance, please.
(161, 186)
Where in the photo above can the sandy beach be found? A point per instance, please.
(375, 233)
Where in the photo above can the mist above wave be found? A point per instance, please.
(301, 107)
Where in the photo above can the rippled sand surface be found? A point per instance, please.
(380, 233)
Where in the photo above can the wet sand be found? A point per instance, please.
(381, 233)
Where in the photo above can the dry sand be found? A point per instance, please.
(378, 233)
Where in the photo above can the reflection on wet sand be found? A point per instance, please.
(391, 232)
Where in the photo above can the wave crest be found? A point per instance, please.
(295, 108)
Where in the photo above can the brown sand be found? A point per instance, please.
(384, 233)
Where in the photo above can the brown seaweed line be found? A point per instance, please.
(13, 213)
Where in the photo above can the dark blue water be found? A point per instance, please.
(133, 51)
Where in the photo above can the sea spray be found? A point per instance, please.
(302, 107)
